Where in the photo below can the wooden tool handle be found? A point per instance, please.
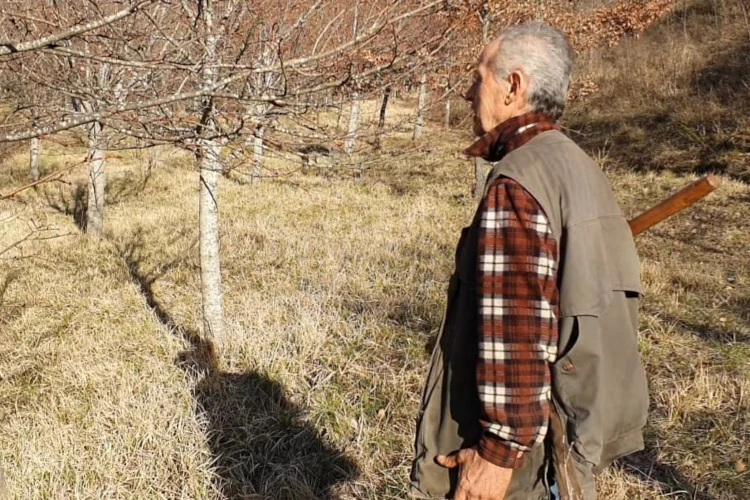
(678, 201)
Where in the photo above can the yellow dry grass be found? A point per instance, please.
(333, 290)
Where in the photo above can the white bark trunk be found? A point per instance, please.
(34, 149)
(258, 155)
(351, 136)
(478, 163)
(420, 108)
(97, 182)
(447, 120)
(355, 24)
(210, 172)
(213, 304)
(338, 114)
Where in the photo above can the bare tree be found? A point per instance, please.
(421, 104)
(351, 134)
(212, 75)
(447, 114)
(381, 115)
(97, 180)
(209, 159)
(35, 147)
(485, 17)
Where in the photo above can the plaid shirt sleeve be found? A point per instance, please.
(518, 301)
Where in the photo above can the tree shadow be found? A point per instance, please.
(69, 202)
(696, 128)
(9, 311)
(119, 189)
(646, 466)
(704, 427)
(262, 445)
(738, 309)
(699, 428)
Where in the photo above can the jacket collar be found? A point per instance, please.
(510, 135)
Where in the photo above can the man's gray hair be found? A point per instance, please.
(543, 53)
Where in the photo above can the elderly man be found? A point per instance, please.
(536, 382)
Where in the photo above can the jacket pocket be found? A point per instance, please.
(599, 380)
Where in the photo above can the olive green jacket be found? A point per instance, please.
(598, 381)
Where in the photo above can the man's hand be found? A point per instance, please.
(478, 479)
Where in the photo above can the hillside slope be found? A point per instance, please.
(334, 291)
(677, 98)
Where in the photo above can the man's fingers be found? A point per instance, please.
(449, 462)
(455, 459)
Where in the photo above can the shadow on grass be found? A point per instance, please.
(9, 311)
(697, 128)
(699, 427)
(73, 201)
(261, 444)
(122, 188)
(646, 466)
(70, 202)
(737, 309)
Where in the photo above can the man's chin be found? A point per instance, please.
(477, 128)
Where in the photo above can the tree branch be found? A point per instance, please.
(16, 47)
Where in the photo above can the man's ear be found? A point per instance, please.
(518, 84)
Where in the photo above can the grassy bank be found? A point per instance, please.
(334, 289)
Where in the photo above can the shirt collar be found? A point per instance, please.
(510, 135)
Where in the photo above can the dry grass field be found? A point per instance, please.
(334, 289)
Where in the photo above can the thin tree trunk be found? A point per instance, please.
(339, 113)
(381, 117)
(210, 172)
(355, 24)
(97, 182)
(351, 136)
(213, 304)
(383, 107)
(34, 149)
(258, 154)
(478, 163)
(447, 120)
(420, 108)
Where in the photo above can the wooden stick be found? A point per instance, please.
(678, 201)
(566, 477)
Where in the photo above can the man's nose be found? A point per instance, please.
(469, 95)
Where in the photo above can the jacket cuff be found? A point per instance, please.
(499, 452)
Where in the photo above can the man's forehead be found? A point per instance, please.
(489, 52)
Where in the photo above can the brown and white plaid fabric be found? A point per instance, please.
(510, 135)
(518, 301)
